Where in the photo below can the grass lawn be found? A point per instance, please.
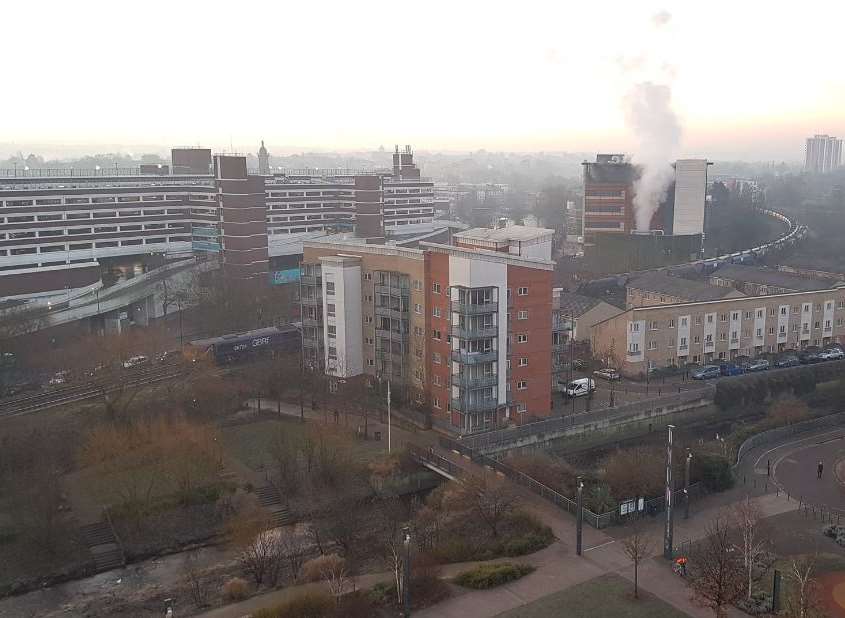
(250, 443)
(608, 595)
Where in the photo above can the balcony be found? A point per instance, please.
(479, 405)
(309, 342)
(311, 300)
(392, 333)
(390, 312)
(316, 322)
(637, 352)
(473, 309)
(391, 290)
(474, 358)
(311, 280)
(469, 383)
(475, 332)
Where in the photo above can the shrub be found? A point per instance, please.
(599, 499)
(715, 472)
(759, 604)
(528, 544)
(313, 604)
(236, 589)
(314, 570)
(491, 575)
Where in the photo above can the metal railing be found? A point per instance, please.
(392, 290)
(778, 434)
(475, 309)
(474, 358)
(479, 405)
(468, 382)
(474, 332)
(501, 437)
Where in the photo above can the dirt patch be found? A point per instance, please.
(832, 592)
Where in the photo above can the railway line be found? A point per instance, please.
(73, 393)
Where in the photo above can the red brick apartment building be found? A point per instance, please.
(475, 324)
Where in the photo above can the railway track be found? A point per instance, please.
(74, 393)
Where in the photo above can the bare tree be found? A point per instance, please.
(260, 550)
(637, 547)
(717, 569)
(390, 540)
(752, 547)
(803, 600)
(293, 548)
(335, 573)
(197, 586)
(491, 501)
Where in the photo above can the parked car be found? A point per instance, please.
(59, 378)
(788, 360)
(577, 388)
(759, 364)
(135, 361)
(731, 369)
(707, 372)
(607, 374)
(832, 354)
(810, 356)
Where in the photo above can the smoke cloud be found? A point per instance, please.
(650, 117)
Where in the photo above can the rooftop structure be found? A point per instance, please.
(658, 288)
(514, 239)
(759, 281)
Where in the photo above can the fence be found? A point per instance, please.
(596, 520)
(778, 434)
(499, 437)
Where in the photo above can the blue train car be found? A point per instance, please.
(239, 347)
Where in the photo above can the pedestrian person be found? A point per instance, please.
(820, 469)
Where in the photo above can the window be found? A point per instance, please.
(368, 319)
(734, 336)
(417, 285)
(653, 325)
(635, 327)
(522, 338)
(368, 276)
(634, 348)
(331, 330)
(696, 339)
(817, 325)
(747, 315)
(330, 310)
(435, 401)
(435, 335)
(521, 385)
(759, 332)
(723, 336)
(418, 308)
(759, 313)
(522, 315)
(709, 318)
(723, 317)
(783, 310)
(438, 381)
(697, 320)
(672, 323)
(522, 291)
(332, 351)
(684, 321)
(330, 287)
(652, 345)
(418, 331)
(436, 312)
(523, 361)
(683, 342)
(436, 358)
(435, 287)
(371, 362)
(735, 316)
(418, 352)
(771, 330)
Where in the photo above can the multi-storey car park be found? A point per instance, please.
(56, 225)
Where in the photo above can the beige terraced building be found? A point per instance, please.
(643, 338)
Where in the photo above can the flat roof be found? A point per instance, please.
(506, 234)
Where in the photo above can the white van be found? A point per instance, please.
(576, 388)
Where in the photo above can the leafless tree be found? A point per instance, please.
(335, 573)
(293, 548)
(637, 547)
(490, 500)
(752, 547)
(717, 569)
(803, 600)
(198, 586)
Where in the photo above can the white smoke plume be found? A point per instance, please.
(649, 115)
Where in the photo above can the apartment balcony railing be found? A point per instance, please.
(311, 300)
(475, 309)
(478, 405)
(474, 332)
(634, 352)
(311, 280)
(470, 383)
(474, 358)
(389, 312)
(391, 333)
(309, 342)
(317, 322)
(391, 290)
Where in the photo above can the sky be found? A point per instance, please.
(749, 79)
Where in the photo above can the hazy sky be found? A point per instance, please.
(750, 79)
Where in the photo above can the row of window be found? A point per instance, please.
(87, 245)
(747, 315)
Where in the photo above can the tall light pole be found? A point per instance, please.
(388, 416)
(668, 551)
(579, 514)
(686, 484)
(406, 583)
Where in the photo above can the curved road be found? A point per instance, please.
(794, 467)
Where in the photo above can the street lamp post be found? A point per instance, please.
(181, 338)
(406, 583)
(388, 416)
(686, 484)
(579, 515)
(668, 549)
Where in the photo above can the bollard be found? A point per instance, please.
(777, 491)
